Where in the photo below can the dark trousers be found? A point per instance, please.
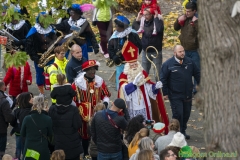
(77, 158)
(110, 156)
(194, 55)
(85, 144)
(3, 143)
(105, 30)
(181, 110)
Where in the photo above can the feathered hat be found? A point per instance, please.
(90, 63)
(82, 8)
(122, 21)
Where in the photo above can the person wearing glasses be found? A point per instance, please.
(148, 39)
(153, 6)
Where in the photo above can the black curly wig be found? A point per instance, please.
(77, 11)
(134, 125)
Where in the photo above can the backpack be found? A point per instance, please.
(47, 83)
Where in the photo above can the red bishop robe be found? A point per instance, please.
(88, 95)
(154, 105)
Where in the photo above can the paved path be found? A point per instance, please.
(195, 125)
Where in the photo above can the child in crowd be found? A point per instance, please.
(133, 146)
(92, 147)
(58, 155)
(63, 92)
(24, 101)
(154, 8)
(19, 79)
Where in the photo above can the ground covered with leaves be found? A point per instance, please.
(170, 9)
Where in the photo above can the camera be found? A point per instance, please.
(149, 122)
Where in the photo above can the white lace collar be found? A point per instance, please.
(124, 33)
(42, 30)
(80, 81)
(15, 26)
(77, 23)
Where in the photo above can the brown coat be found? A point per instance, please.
(189, 33)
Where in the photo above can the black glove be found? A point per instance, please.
(117, 60)
(94, 23)
(17, 43)
(96, 51)
(20, 42)
(106, 104)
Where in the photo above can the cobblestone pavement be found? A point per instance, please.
(195, 125)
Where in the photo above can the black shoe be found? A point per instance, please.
(186, 136)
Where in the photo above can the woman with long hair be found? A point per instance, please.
(24, 102)
(133, 146)
(37, 130)
(146, 154)
(145, 143)
(134, 125)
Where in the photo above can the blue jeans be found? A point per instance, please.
(18, 147)
(146, 64)
(195, 57)
(110, 156)
(3, 143)
(119, 70)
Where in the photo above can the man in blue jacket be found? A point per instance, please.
(74, 66)
(176, 77)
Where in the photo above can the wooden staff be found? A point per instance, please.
(156, 70)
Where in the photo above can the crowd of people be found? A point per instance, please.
(82, 122)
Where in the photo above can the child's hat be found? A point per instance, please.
(158, 127)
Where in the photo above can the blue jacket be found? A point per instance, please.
(73, 68)
(177, 78)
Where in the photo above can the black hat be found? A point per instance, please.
(120, 103)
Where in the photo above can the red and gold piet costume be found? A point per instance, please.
(142, 98)
(88, 95)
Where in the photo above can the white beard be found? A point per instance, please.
(131, 74)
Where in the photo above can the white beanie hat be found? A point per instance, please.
(178, 140)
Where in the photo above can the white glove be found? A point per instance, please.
(236, 9)
(137, 78)
(160, 17)
(158, 85)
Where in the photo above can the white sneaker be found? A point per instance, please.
(40, 94)
(100, 48)
(106, 55)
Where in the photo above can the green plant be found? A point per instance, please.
(17, 59)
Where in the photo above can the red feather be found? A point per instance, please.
(87, 7)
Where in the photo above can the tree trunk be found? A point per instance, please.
(219, 92)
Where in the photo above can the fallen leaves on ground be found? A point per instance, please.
(170, 38)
